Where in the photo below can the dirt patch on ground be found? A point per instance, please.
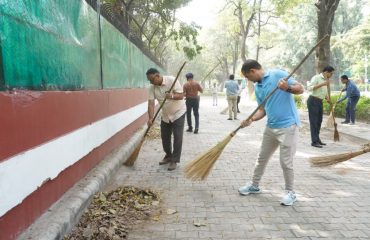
(111, 215)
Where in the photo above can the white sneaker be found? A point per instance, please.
(248, 189)
(289, 198)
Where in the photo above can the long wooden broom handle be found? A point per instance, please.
(160, 107)
(286, 79)
(335, 104)
(209, 73)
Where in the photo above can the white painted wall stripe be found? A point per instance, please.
(24, 173)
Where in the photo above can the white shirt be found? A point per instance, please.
(240, 89)
(172, 109)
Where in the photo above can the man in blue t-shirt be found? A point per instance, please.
(353, 95)
(282, 124)
(232, 89)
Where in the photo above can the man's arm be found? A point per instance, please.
(257, 116)
(295, 88)
(150, 111)
(345, 96)
(313, 84)
(200, 89)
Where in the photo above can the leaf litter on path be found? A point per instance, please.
(111, 215)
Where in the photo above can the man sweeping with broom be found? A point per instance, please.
(319, 86)
(282, 124)
(173, 114)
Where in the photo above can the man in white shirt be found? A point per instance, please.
(173, 114)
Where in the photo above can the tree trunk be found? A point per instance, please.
(245, 28)
(235, 54)
(325, 16)
(258, 30)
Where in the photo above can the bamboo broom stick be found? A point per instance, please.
(336, 133)
(199, 168)
(331, 118)
(324, 161)
(131, 160)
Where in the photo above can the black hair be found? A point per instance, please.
(249, 64)
(328, 69)
(344, 77)
(152, 71)
(232, 77)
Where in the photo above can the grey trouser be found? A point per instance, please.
(231, 100)
(286, 138)
(177, 128)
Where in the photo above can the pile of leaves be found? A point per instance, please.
(112, 214)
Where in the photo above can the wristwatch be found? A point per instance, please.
(289, 89)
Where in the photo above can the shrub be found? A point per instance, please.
(299, 101)
(362, 108)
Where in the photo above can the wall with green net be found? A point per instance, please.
(54, 45)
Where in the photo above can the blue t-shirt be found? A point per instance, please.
(232, 88)
(280, 107)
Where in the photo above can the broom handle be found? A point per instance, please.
(211, 71)
(160, 107)
(286, 79)
(332, 110)
(329, 93)
(335, 104)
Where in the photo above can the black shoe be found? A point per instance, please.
(321, 143)
(238, 111)
(229, 119)
(165, 160)
(345, 122)
(316, 145)
(190, 129)
(196, 131)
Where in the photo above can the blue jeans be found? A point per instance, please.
(351, 109)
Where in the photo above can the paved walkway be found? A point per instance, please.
(333, 202)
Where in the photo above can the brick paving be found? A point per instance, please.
(333, 203)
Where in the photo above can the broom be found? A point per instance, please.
(131, 160)
(336, 133)
(199, 168)
(329, 160)
(331, 119)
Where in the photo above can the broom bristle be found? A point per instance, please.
(336, 133)
(131, 160)
(330, 121)
(199, 168)
(334, 159)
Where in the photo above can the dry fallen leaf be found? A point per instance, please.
(171, 211)
(112, 214)
(199, 223)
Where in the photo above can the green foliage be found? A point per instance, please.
(186, 36)
(285, 7)
(351, 37)
(362, 108)
(154, 24)
(299, 101)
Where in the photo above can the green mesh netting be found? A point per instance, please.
(54, 45)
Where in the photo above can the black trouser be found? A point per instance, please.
(351, 109)
(192, 103)
(177, 128)
(315, 112)
(237, 103)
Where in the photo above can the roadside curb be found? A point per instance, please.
(62, 216)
